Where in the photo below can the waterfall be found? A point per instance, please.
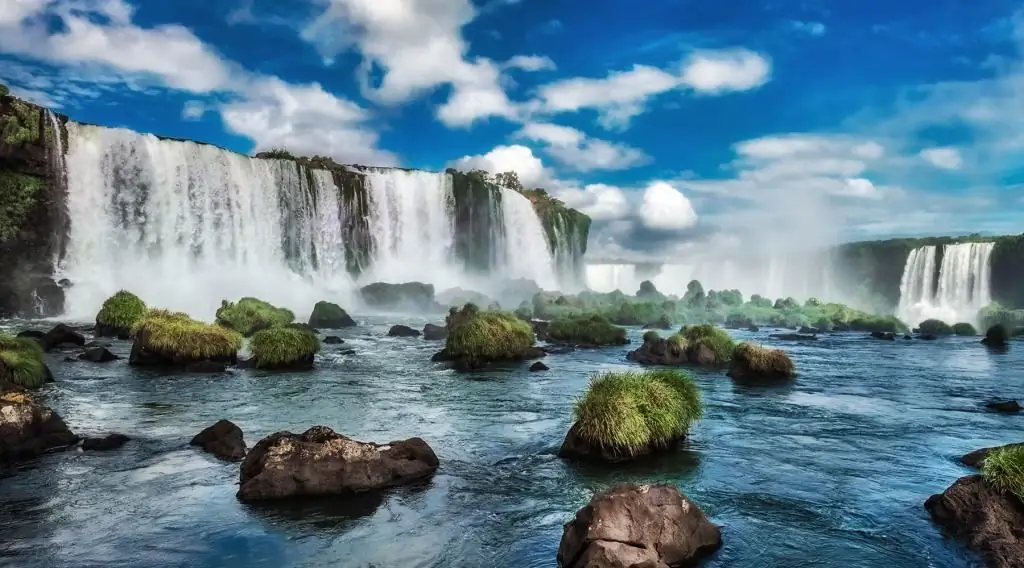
(611, 277)
(961, 288)
(524, 248)
(566, 253)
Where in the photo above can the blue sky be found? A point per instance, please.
(674, 123)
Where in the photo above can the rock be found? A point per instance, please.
(986, 520)
(753, 328)
(330, 316)
(332, 340)
(28, 429)
(975, 458)
(433, 332)
(928, 337)
(223, 439)
(538, 366)
(98, 355)
(638, 526)
(541, 329)
(808, 330)
(1006, 406)
(33, 334)
(907, 336)
(322, 462)
(408, 295)
(883, 335)
(62, 336)
(106, 443)
(793, 337)
(402, 331)
(558, 349)
(92, 344)
(997, 336)
(751, 361)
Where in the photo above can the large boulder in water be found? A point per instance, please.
(330, 316)
(997, 336)
(699, 345)
(223, 439)
(986, 520)
(632, 526)
(284, 348)
(322, 462)
(751, 361)
(249, 315)
(402, 331)
(28, 429)
(433, 332)
(409, 295)
(119, 314)
(174, 340)
(476, 338)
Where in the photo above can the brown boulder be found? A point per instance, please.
(223, 439)
(986, 520)
(322, 462)
(28, 429)
(627, 526)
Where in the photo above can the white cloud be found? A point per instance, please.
(944, 158)
(601, 202)
(193, 110)
(531, 63)
(573, 149)
(520, 159)
(812, 28)
(713, 72)
(666, 208)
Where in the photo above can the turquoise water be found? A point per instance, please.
(832, 470)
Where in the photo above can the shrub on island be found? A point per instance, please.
(1003, 469)
(477, 337)
(753, 361)
(330, 316)
(284, 347)
(625, 415)
(589, 331)
(249, 315)
(21, 362)
(703, 345)
(964, 329)
(934, 327)
(173, 339)
(119, 314)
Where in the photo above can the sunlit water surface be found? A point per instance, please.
(832, 470)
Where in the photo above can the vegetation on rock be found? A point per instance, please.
(284, 347)
(331, 316)
(119, 314)
(21, 124)
(594, 330)
(935, 327)
(249, 315)
(753, 361)
(177, 336)
(18, 195)
(714, 338)
(996, 336)
(628, 413)
(476, 335)
(21, 362)
(964, 328)
(1003, 469)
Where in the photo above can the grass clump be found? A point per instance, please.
(177, 336)
(119, 314)
(21, 362)
(750, 360)
(964, 328)
(1004, 469)
(249, 315)
(586, 330)
(715, 338)
(934, 327)
(630, 413)
(487, 335)
(651, 336)
(284, 346)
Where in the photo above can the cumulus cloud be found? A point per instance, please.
(531, 63)
(574, 150)
(516, 158)
(666, 208)
(601, 202)
(945, 158)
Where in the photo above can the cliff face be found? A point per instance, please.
(32, 208)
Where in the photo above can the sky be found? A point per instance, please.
(677, 125)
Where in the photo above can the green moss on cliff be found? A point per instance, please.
(477, 210)
(18, 195)
(21, 124)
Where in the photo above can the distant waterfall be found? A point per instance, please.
(524, 248)
(956, 294)
(610, 277)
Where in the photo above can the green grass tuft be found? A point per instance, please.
(283, 345)
(1004, 470)
(587, 330)
(630, 412)
(753, 360)
(651, 336)
(715, 338)
(178, 336)
(935, 327)
(249, 315)
(21, 361)
(122, 310)
(486, 335)
(964, 328)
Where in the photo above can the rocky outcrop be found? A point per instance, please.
(402, 331)
(105, 443)
(433, 332)
(670, 352)
(223, 439)
(986, 520)
(409, 295)
(1004, 406)
(322, 462)
(975, 458)
(28, 429)
(98, 355)
(62, 337)
(538, 366)
(633, 526)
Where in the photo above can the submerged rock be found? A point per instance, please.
(98, 355)
(62, 337)
(883, 335)
(408, 295)
(633, 526)
(28, 429)
(538, 366)
(986, 520)
(433, 332)
(402, 331)
(997, 336)
(793, 337)
(106, 443)
(223, 439)
(322, 462)
(332, 340)
(1005, 406)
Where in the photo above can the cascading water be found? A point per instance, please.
(184, 225)
(956, 294)
(525, 252)
(566, 251)
(610, 277)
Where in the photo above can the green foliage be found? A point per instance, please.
(996, 314)
(19, 194)
(1003, 469)
(276, 154)
(964, 328)
(885, 324)
(249, 315)
(122, 310)
(21, 361)
(509, 179)
(752, 359)
(178, 336)
(725, 297)
(283, 345)
(630, 412)
(4, 90)
(487, 336)
(524, 312)
(812, 303)
(21, 124)
(935, 327)
(651, 336)
(760, 301)
(589, 330)
(715, 338)
(694, 296)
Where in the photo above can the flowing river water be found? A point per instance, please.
(831, 470)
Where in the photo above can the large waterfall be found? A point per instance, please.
(960, 288)
(185, 225)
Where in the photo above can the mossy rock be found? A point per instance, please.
(284, 348)
(964, 329)
(624, 415)
(119, 314)
(715, 339)
(21, 362)
(751, 361)
(19, 194)
(330, 316)
(21, 124)
(249, 315)
(164, 338)
(934, 327)
(592, 331)
(997, 335)
(1003, 469)
(476, 337)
